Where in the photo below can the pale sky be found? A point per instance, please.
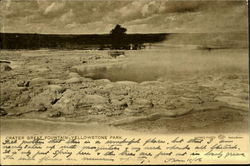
(138, 16)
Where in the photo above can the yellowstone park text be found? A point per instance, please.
(124, 150)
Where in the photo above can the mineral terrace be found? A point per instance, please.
(64, 86)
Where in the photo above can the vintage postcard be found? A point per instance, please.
(104, 82)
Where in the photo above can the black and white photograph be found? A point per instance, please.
(124, 67)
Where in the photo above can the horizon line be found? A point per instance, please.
(109, 33)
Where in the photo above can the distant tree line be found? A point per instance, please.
(117, 39)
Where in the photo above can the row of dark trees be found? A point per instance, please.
(117, 39)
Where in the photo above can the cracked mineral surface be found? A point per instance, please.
(143, 91)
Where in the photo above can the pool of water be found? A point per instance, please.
(172, 63)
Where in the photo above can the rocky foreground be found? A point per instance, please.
(54, 85)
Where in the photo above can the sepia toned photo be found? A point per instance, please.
(124, 82)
